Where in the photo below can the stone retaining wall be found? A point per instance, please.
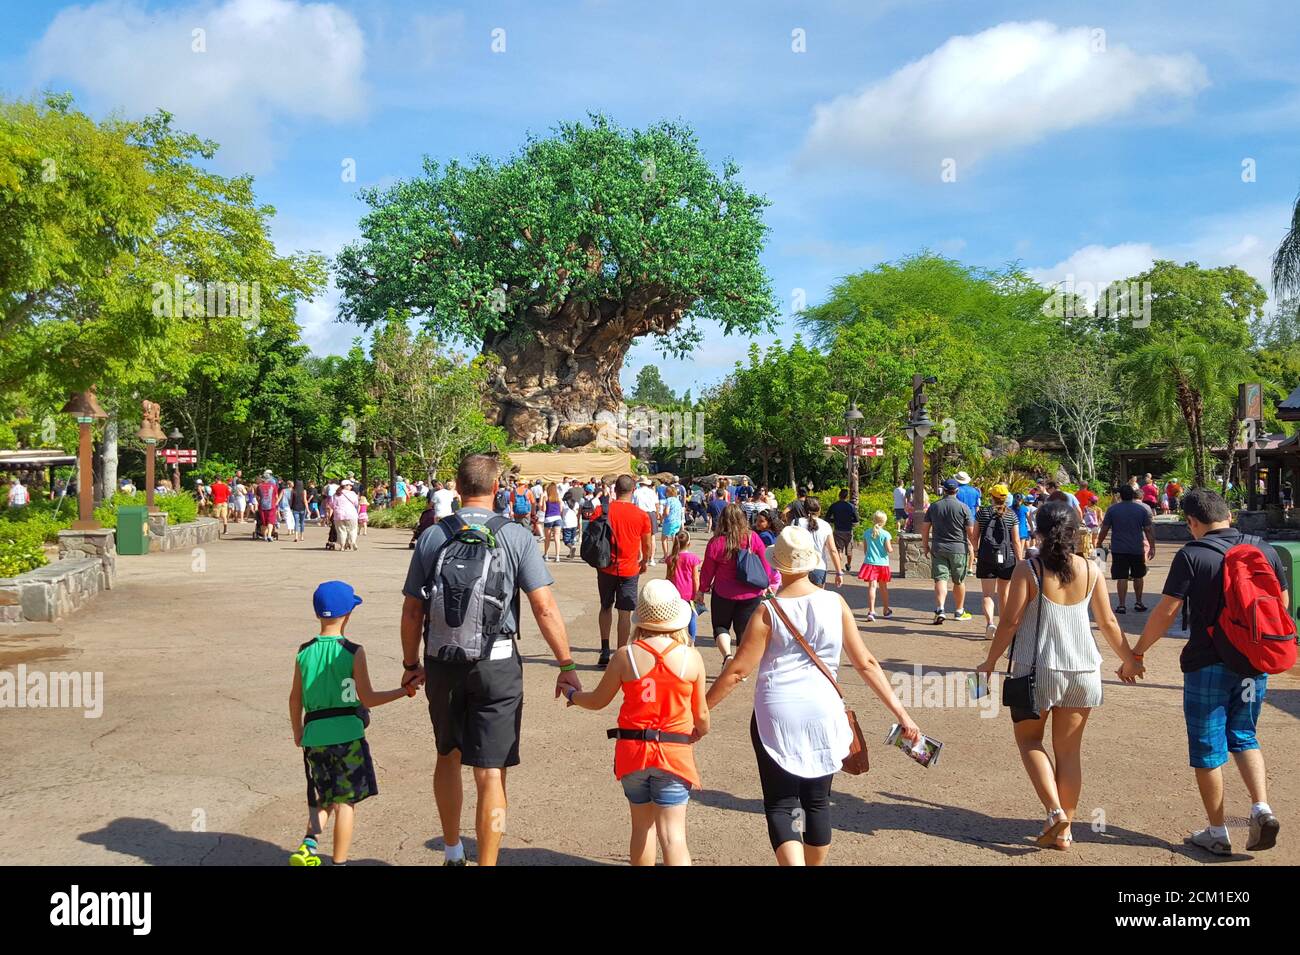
(100, 544)
(51, 592)
(164, 537)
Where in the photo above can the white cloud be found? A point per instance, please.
(266, 62)
(1245, 239)
(1010, 86)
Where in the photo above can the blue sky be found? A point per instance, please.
(1086, 138)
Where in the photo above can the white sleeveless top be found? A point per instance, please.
(1066, 641)
(800, 717)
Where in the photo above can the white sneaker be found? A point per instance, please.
(1205, 839)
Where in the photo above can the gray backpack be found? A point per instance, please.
(465, 598)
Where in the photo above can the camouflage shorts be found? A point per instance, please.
(339, 773)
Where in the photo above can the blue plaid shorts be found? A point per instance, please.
(1221, 709)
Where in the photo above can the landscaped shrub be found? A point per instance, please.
(41, 514)
(180, 508)
(21, 547)
(403, 515)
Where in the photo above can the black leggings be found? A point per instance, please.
(732, 615)
(797, 809)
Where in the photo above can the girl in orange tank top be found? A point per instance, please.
(663, 713)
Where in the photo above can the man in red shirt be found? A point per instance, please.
(1085, 496)
(220, 497)
(631, 546)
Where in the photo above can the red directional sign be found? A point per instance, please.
(179, 455)
(870, 452)
(843, 441)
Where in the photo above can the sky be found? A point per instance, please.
(1079, 140)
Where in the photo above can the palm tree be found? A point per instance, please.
(1286, 260)
(1183, 376)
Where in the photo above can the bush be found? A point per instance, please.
(41, 514)
(403, 515)
(180, 508)
(869, 501)
(21, 547)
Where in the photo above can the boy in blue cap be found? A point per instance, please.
(331, 686)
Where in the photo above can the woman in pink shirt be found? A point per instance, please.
(734, 601)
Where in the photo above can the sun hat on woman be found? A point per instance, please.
(661, 608)
(794, 551)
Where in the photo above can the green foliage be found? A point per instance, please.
(180, 508)
(21, 547)
(651, 390)
(402, 515)
(575, 225)
(41, 515)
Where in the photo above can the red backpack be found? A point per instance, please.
(1253, 621)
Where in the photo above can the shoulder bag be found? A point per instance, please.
(1018, 692)
(857, 762)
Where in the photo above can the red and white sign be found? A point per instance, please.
(870, 452)
(843, 441)
(179, 455)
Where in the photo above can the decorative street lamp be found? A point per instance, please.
(852, 417)
(176, 464)
(87, 411)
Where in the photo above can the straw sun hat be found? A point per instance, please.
(794, 551)
(661, 608)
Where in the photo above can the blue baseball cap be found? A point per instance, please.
(951, 484)
(334, 598)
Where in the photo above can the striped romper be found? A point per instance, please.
(1069, 663)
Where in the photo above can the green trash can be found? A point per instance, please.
(132, 530)
(1289, 551)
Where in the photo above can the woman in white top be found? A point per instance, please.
(240, 495)
(799, 731)
(823, 543)
(1063, 657)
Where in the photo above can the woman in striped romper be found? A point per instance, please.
(1059, 586)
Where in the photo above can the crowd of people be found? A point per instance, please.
(762, 580)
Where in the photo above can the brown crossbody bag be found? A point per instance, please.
(857, 762)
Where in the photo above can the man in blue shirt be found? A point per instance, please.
(967, 493)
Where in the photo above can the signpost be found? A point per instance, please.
(864, 446)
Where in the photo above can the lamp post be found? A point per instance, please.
(852, 417)
(176, 465)
(917, 427)
(86, 410)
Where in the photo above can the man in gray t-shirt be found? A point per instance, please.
(948, 537)
(476, 706)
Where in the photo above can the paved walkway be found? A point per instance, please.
(192, 760)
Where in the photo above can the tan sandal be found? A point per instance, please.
(1057, 823)
(1064, 842)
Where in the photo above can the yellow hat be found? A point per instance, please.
(999, 491)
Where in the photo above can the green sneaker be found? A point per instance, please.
(303, 856)
(961, 615)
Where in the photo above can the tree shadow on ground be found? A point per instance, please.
(517, 856)
(155, 843)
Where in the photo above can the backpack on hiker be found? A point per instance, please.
(465, 598)
(995, 541)
(586, 508)
(597, 547)
(502, 501)
(523, 503)
(1253, 631)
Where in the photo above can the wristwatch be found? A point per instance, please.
(410, 666)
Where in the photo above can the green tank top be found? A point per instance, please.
(327, 684)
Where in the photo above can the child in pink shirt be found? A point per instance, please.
(684, 571)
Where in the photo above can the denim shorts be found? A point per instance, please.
(655, 785)
(1221, 709)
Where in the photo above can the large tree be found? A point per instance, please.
(554, 261)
